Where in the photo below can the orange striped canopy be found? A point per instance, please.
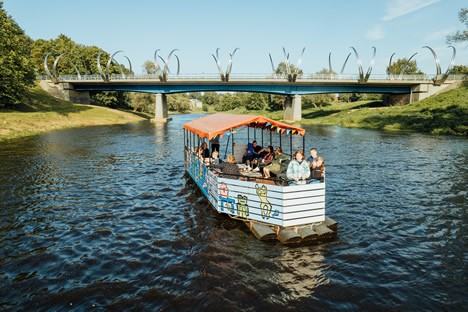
(212, 125)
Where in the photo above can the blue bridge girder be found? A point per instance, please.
(271, 87)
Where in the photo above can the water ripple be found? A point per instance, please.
(102, 218)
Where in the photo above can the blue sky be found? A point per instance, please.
(257, 27)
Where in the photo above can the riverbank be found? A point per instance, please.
(444, 114)
(42, 112)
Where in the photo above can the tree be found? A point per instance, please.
(404, 66)
(143, 102)
(113, 99)
(460, 36)
(149, 67)
(178, 102)
(17, 72)
(460, 70)
(256, 101)
(282, 69)
(210, 98)
(325, 73)
(275, 102)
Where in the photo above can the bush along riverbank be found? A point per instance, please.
(41, 112)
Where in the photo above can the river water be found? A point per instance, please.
(103, 218)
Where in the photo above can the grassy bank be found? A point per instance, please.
(41, 113)
(446, 113)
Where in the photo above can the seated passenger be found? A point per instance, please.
(319, 169)
(248, 155)
(298, 169)
(229, 169)
(312, 157)
(275, 165)
(266, 160)
(258, 153)
(203, 151)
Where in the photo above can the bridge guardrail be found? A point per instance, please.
(272, 77)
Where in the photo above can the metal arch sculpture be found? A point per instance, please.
(403, 68)
(53, 76)
(106, 76)
(163, 73)
(330, 68)
(364, 78)
(439, 78)
(46, 68)
(224, 75)
(291, 76)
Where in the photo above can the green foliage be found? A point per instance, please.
(83, 57)
(276, 102)
(17, 71)
(256, 101)
(205, 107)
(112, 99)
(317, 100)
(282, 69)
(149, 67)
(404, 66)
(178, 102)
(227, 102)
(143, 102)
(460, 70)
(460, 36)
(210, 98)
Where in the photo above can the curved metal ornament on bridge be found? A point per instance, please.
(164, 72)
(439, 78)
(106, 76)
(342, 67)
(291, 76)
(224, 75)
(46, 68)
(364, 78)
(53, 76)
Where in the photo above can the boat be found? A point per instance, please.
(272, 208)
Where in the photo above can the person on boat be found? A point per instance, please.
(298, 169)
(258, 154)
(203, 151)
(319, 170)
(311, 159)
(214, 144)
(229, 169)
(276, 164)
(266, 160)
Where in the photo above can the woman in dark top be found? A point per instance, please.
(204, 152)
(319, 169)
(229, 169)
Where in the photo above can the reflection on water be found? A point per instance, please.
(103, 217)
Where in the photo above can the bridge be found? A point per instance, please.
(292, 84)
(413, 87)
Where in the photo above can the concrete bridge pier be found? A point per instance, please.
(293, 108)
(160, 108)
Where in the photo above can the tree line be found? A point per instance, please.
(22, 59)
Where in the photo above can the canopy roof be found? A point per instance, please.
(212, 125)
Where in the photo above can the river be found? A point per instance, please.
(103, 218)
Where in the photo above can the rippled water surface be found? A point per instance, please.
(103, 218)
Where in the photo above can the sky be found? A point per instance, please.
(257, 27)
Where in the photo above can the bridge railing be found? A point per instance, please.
(248, 76)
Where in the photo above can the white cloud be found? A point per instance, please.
(376, 33)
(399, 8)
